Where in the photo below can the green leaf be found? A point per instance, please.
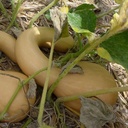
(117, 46)
(85, 6)
(104, 54)
(47, 15)
(82, 19)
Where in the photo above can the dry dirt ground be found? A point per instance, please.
(27, 10)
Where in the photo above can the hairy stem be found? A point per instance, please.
(92, 93)
(44, 93)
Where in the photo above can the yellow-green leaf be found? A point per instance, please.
(64, 9)
(104, 53)
(119, 1)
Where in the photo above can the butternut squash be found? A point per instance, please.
(19, 108)
(30, 59)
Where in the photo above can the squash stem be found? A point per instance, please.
(42, 12)
(92, 93)
(44, 93)
(20, 85)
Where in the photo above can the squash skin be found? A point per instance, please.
(31, 59)
(27, 54)
(95, 77)
(7, 45)
(21, 104)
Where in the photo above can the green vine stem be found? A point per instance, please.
(80, 45)
(14, 14)
(68, 57)
(3, 9)
(20, 85)
(108, 12)
(43, 98)
(26, 123)
(42, 12)
(92, 93)
(13, 4)
(88, 48)
(60, 115)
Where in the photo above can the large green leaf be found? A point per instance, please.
(117, 46)
(85, 6)
(83, 19)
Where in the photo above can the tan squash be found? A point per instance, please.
(31, 59)
(7, 45)
(21, 105)
(95, 77)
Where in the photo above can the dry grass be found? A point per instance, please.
(64, 119)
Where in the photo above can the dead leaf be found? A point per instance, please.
(60, 23)
(16, 31)
(31, 93)
(95, 113)
(75, 70)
